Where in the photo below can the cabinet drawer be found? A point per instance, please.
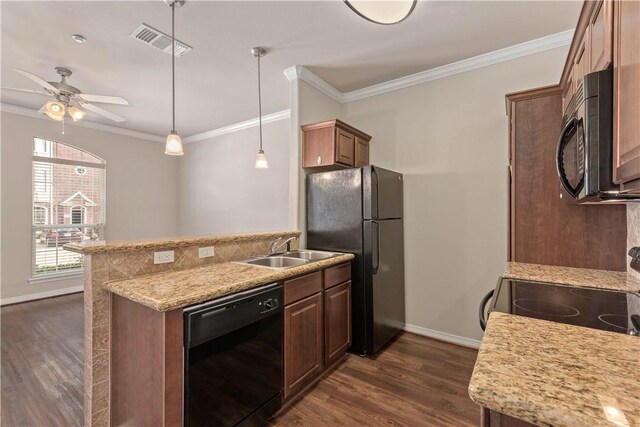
(335, 275)
(301, 287)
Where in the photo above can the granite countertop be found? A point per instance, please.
(177, 289)
(550, 373)
(604, 279)
(102, 246)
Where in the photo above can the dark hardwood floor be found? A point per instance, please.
(415, 381)
(42, 362)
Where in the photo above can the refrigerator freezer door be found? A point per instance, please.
(381, 193)
(384, 280)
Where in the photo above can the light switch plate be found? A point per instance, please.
(162, 257)
(206, 252)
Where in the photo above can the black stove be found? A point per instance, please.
(608, 310)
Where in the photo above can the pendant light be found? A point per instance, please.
(173, 146)
(261, 159)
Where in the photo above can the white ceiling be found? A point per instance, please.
(216, 82)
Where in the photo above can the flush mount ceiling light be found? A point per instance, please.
(261, 159)
(79, 38)
(173, 145)
(383, 12)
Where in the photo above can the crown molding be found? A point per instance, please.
(501, 55)
(15, 109)
(269, 118)
(304, 74)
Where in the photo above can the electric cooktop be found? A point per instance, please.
(608, 310)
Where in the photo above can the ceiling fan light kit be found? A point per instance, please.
(55, 110)
(173, 144)
(76, 113)
(382, 12)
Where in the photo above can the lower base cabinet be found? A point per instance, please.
(337, 322)
(303, 343)
(489, 418)
(317, 325)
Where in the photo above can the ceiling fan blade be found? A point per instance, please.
(104, 99)
(102, 112)
(37, 92)
(37, 79)
(43, 108)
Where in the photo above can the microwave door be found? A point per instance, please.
(570, 157)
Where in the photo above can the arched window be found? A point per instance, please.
(68, 204)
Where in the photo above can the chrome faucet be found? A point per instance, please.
(277, 245)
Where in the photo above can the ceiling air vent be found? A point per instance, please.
(159, 40)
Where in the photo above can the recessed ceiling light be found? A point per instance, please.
(79, 38)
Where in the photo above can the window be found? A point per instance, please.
(77, 215)
(68, 204)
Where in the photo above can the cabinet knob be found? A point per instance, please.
(319, 160)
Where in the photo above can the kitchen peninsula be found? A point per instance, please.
(134, 317)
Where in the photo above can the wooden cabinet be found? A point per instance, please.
(567, 91)
(489, 418)
(333, 145)
(547, 226)
(600, 35)
(304, 343)
(581, 63)
(362, 153)
(626, 79)
(337, 322)
(317, 325)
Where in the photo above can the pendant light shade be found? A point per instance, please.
(55, 110)
(76, 113)
(386, 12)
(173, 145)
(261, 159)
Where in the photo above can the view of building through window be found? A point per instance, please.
(68, 204)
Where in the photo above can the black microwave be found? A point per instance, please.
(585, 150)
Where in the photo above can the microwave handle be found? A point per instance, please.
(573, 123)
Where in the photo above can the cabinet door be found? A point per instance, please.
(303, 343)
(337, 321)
(626, 79)
(362, 152)
(318, 147)
(345, 148)
(581, 62)
(601, 36)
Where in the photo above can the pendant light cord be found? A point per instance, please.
(259, 102)
(173, 65)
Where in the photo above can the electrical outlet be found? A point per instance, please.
(162, 257)
(206, 252)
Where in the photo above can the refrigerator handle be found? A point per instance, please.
(376, 265)
(375, 174)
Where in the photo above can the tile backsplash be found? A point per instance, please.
(633, 231)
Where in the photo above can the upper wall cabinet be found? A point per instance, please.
(626, 107)
(334, 145)
(600, 33)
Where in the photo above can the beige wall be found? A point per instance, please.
(449, 139)
(221, 191)
(141, 192)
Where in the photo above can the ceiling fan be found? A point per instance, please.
(68, 98)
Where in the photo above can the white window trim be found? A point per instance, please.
(55, 277)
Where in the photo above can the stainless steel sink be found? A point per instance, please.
(276, 261)
(310, 255)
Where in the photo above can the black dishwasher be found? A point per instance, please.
(233, 359)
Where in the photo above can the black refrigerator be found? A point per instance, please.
(360, 211)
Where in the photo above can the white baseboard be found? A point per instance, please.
(443, 336)
(41, 295)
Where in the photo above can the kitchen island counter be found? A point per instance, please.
(549, 373)
(171, 290)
